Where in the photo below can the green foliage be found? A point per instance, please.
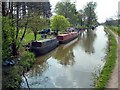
(68, 10)
(89, 12)
(115, 29)
(12, 76)
(7, 37)
(83, 27)
(86, 17)
(37, 23)
(109, 65)
(27, 60)
(76, 19)
(59, 22)
(29, 37)
(118, 31)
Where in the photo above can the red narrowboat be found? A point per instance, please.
(67, 37)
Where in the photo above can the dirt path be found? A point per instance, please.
(113, 82)
(119, 62)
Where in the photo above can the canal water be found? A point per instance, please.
(72, 65)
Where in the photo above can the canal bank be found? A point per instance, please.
(70, 65)
(109, 75)
(113, 81)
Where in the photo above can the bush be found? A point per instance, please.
(13, 79)
(6, 37)
(12, 76)
(27, 59)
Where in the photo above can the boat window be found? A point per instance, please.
(60, 37)
(37, 44)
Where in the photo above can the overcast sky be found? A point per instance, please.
(105, 8)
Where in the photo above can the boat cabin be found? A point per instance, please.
(43, 43)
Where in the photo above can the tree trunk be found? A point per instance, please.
(14, 49)
(24, 9)
(35, 35)
(24, 30)
(3, 8)
(17, 27)
(13, 46)
(11, 10)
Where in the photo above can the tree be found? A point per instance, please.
(82, 17)
(36, 23)
(59, 23)
(43, 8)
(67, 9)
(7, 36)
(77, 19)
(90, 15)
(18, 13)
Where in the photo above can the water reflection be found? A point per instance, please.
(40, 66)
(64, 53)
(87, 40)
(70, 65)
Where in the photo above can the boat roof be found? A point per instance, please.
(64, 34)
(45, 40)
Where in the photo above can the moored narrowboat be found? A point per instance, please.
(43, 46)
(67, 37)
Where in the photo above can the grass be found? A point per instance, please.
(115, 29)
(109, 65)
(29, 36)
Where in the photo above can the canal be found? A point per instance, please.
(72, 65)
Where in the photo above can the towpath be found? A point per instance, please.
(113, 81)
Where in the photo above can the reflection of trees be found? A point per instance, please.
(65, 55)
(87, 41)
(38, 69)
(40, 66)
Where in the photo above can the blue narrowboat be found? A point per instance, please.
(43, 46)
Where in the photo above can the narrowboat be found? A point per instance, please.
(67, 37)
(43, 46)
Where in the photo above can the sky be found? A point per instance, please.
(105, 8)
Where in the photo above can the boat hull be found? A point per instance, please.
(68, 40)
(43, 50)
(65, 38)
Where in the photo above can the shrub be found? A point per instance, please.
(27, 59)
(6, 37)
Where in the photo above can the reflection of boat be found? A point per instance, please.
(64, 38)
(43, 46)
(64, 53)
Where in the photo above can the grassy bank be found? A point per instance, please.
(110, 62)
(115, 29)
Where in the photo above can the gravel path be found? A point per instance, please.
(113, 82)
